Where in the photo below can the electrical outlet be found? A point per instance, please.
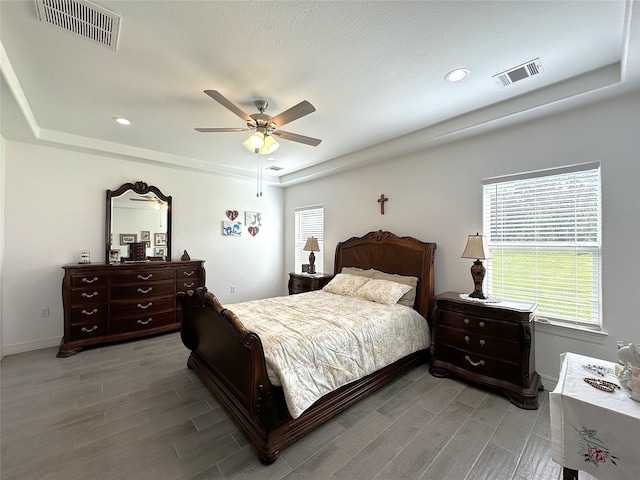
(233, 289)
(44, 312)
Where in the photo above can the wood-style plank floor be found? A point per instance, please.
(134, 411)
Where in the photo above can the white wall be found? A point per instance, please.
(436, 196)
(2, 190)
(55, 207)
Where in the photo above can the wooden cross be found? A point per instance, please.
(381, 201)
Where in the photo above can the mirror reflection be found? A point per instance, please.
(138, 214)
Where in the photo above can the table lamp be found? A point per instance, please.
(312, 246)
(477, 248)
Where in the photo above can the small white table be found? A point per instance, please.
(593, 430)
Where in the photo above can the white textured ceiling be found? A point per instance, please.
(373, 70)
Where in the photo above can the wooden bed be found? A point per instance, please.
(230, 360)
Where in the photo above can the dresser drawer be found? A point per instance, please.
(481, 364)
(89, 280)
(86, 330)
(81, 296)
(185, 284)
(481, 325)
(142, 322)
(187, 272)
(142, 307)
(479, 344)
(88, 313)
(299, 285)
(143, 290)
(142, 276)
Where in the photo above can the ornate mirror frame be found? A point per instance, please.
(141, 188)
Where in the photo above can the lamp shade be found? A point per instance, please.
(476, 248)
(270, 145)
(311, 245)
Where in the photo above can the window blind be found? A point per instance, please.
(309, 222)
(544, 233)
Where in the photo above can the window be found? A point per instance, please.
(309, 223)
(543, 230)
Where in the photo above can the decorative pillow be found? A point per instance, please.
(408, 298)
(382, 291)
(345, 284)
(358, 271)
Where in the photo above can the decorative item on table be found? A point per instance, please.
(305, 268)
(85, 256)
(477, 248)
(114, 255)
(185, 256)
(312, 246)
(628, 370)
(137, 252)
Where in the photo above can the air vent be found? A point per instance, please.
(274, 168)
(83, 18)
(526, 70)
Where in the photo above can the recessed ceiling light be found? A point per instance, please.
(121, 121)
(271, 159)
(457, 75)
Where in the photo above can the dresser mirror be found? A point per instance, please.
(137, 213)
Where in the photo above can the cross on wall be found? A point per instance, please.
(381, 201)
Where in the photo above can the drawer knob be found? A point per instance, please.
(86, 280)
(475, 364)
(189, 285)
(84, 312)
(188, 274)
(481, 324)
(144, 322)
(482, 342)
(145, 306)
(89, 330)
(140, 290)
(142, 277)
(466, 321)
(466, 338)
(89, 295)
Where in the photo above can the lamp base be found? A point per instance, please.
(312, 263)
(477, 273)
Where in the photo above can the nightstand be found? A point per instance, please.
(491, 344)
(304, 282)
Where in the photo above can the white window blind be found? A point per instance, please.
(543, 230)
(309, 222)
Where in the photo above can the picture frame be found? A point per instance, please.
(114, 255)
(160, 239)
(145, 235)
(160, 252)
(147, 243)
(253, 219)
(231, 229)
(128, 238)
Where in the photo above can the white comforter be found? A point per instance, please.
(316, 342)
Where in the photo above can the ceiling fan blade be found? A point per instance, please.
(205, 130)
(218, 97)
(300, 110)
(314, 142)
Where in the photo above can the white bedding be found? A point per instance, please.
(316, 342)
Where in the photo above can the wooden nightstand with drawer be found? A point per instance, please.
(487, 343)
(304, 282)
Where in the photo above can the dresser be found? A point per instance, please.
(491, 344)
(305, 282)
(112, 302)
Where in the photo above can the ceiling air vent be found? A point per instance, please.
(526, 70)
(83, 18)
(274, 168)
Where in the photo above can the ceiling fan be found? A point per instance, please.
(265, 126)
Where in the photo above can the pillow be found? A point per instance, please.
(408, 298)
(345, 284)
(358, 271)
(382, 291)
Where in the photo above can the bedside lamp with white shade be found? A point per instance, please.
(312, 246)
(477, 248)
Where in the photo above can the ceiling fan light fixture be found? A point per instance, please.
(270, 145)
(257, 139)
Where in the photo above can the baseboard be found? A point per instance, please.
(549, 383)
(29, 346)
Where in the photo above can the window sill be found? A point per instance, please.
(571, 331)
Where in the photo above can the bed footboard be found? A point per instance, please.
(230, 361)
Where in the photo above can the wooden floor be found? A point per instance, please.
(134, 411)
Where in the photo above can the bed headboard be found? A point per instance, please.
(389, 253)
